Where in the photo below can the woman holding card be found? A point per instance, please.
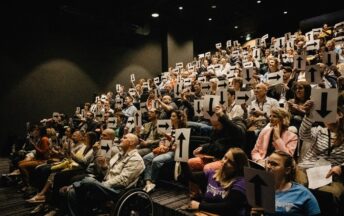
(291, 198)
(163, 153)
(328, 145)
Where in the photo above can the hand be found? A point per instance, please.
(277, 132)
(308, 106)
(194, 204)
(101, 161)
(219, 110)
(96, 146)
(334, 170)
(197, 151)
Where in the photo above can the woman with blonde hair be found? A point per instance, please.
(275, 136)
(225, 191)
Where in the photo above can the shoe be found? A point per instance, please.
(149, 187)
(38, 209)
(51, 213)
(36, 199)
(14, 173)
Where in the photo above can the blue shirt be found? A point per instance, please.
(298, 200)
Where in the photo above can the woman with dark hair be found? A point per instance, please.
(163, 153)
(41, 154)
(225, 191)
(291, 198)
(80, 160)
(302, 93)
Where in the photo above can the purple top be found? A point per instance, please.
(215, 193)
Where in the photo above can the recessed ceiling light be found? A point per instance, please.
(180, 7)
(213, 6)
(210, 19)
(235, 27)
(258, 2)
(285, 12)
(155, 15)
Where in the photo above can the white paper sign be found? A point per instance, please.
(275, 78)
(178, 88)
(156, 80)
(243, 97)
(132, 77)
(105, 148)
(310, 36)
(325, 105)
(130, 124)
(198, 107)
(118, 87)
(222, 84)
(164, 126)
(202, 79)
(257, 54)
(205, 87)
(279, 43)
(316, 176)
(329, 58)
(209, 104)
(313, 75)
(200, 56)
(132, 92)
(111, 123)
(247, 74)
(290, 43)
(313, 45)
(223, 94)
(260, 189)
(218, 45)
(207, 54)
(138, 118)
(229, 43)
(300, 62)
(265, 37)
(143, 107)
(179, 65)
(119, 102)
(182, 140)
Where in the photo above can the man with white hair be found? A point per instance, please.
(122, 171)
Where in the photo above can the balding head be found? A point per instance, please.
(108, 134)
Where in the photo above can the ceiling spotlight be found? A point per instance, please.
(235, 27)
(155, 15)
(210, 19)
(180, 7)
(285, 12)
(213, 6)
(258, 2)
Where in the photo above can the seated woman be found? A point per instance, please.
(78, 160)
(162, 154)
(275, 136)
(328, 145)
(302, 93)
(291, 198)
(226, 187)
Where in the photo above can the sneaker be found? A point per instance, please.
(36, 199)
(51, 213)
(149, 187)
(38, 209)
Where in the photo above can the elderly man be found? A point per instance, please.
(122, 171)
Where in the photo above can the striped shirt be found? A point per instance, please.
(319, 136)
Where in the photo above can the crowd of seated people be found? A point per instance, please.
(63, 160)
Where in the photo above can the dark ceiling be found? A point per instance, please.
(125, 17)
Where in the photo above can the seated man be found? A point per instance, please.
(122, 171)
